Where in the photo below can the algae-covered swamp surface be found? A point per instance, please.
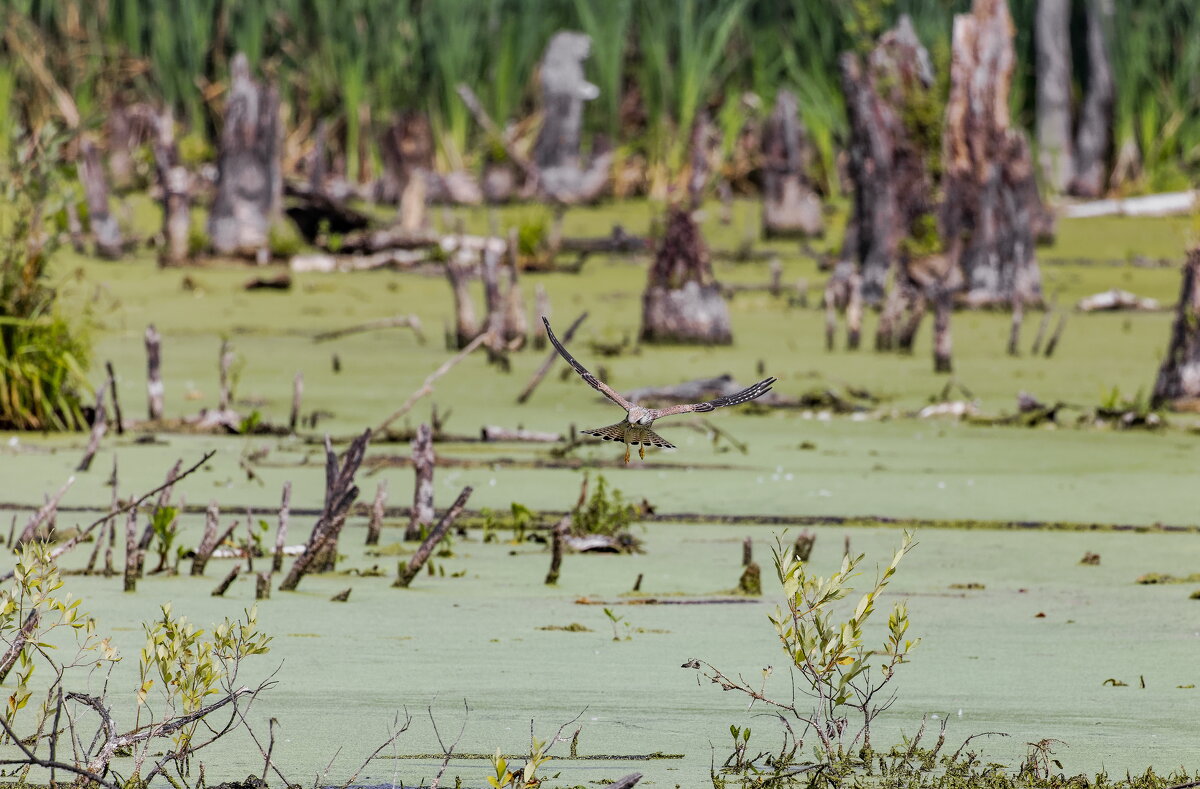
(1018, 636)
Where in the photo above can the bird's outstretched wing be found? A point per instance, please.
(592, 380)
(744, 396)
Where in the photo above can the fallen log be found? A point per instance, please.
(398, 259)
(397, 322)
(490, 433)
(1116, 299)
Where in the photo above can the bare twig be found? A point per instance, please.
(33, 760)
(71, 543)
(447, 752)
(397, 322)
(550, 359)
(395, 735)
(45, 513)
(427, 387)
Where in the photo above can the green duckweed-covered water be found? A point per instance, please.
(346, 668)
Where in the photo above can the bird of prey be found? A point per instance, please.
(634, 429)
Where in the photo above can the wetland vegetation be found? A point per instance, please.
(310, 542)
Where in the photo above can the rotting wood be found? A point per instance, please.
(262, 586)
(558, 536)
(112, 387)
(426, 388)
(106, 234)
(1179, 374)
(1093, 135)
(1052, 345)
(164, 500)
(175, 184)
(43, 515)
(249, 182)
(466, 327)
(1052, 39)
(340, 494)
(297, 399)
(541, 307)
(790, 205)
(550, 359)
(342, 596)
(227, 581)
(1043, 325)
(282, 529)
(154, 384)
(395, 322)
(210, 538)
(747, 551)
(407, 152)
(489, 433)
(99, 428)
(377, 507)
(319, 217)
(436, 535)
(423, 460)
(225, 382)
(682, 302)
(514, 327)
(131, 552)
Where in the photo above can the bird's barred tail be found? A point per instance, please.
(630, 434)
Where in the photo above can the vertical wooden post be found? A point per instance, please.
(423, 464)
(376, 523)
(131, 552)
(262, 586)
(465, 325)
(943, 305)
(297, 397)
(541, 305)
(99, 428)
(105, 232)
(281, 532)
(174, 181)
(226, 362)
(154, 384)
(747, 552)
(112, 386)
(558, 536)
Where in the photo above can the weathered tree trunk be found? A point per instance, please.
(1052, 35)
(700, 152)
(514, 328)
(105, 232)
(682, 302)
(423, 463)
(843, 294)
(19, 640)
(991, 209)
(892, 128)
(1093, 138)
(407, 152)
(564, 90)
(409, 571)
(154, 384)
(119, 134)
(1179, 375)
(320, 554)
(175, 183)
(282, 529)
(943, 306)
(790, 204)
(376, 523)
(210, 539)
(249, 181)
(466, 328)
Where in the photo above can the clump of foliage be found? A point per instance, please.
(1128, 412)
(43, 357)
(832, 666)
(605, 512)
(185, 673)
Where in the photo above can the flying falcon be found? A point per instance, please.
(635, 427)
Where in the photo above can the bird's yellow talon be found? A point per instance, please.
(626, 453)
(642, 451)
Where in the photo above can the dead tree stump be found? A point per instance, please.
(376, 523)
(682, 302)
(408, 572)
(249, 181)
(210, 540)
(1052, 39)
(556, 152)
(154, 384)
(407, 152)
(1093, 137)
(1179, 375)
(466, 327)
(105, 232)
(320, 554)
(992, 212)
(282, 529)
(895, 124)
(423, 464)
(791, 207)
(175, 184)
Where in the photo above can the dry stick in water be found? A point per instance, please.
(550, 359)
(560, 532)
(44, 514)
(226, 362)
(131, 552)
(219, 591)
(297, 397)
(541, 305)
(164, 499)
(1054, 338)
(747, 551)
(397, 322)
(320, 552)
(439, 531)
(262, 586)
(112, 386)
(1043, 325)
(423, 464)
(281, 532)
(210, 540)
(427, 387)
(99, 428)
(154, 384)
(376, 523)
